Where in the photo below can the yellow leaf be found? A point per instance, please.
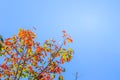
(64, 56)
(45, 45)
(70, 49)
(29, 51)
(20, 50)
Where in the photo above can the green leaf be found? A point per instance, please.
(24, 75)
(0, 47)
(0, 54)
(1, 39)
(53, 76)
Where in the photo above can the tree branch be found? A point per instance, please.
(49, 63)
(18, 64)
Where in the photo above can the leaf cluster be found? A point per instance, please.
(26, 58)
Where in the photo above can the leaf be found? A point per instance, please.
(69, 40)
(1, 39)
(70, 50)
(30, 68)
(53, 76)
(0, 75)
(64, 56)
(24, 69)
(45, 45)
(20, 50)
(0, 54)
(62, 61)
(24, 75)
(61, 77)
(29, 51)
(36, 58)
(38, 49)
(57, 55)
(64, 42)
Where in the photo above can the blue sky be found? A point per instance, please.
(93, 24)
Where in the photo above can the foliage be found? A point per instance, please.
(1, 42)
(25, 58)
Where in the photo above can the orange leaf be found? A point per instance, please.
(64, 35)
(38, 49)
(15, 60)
(7, 72)
(0, 75)
(62, 61)
(36, 58)
(30, 68)
(64, 42)
(57, 55)
(69, 39)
